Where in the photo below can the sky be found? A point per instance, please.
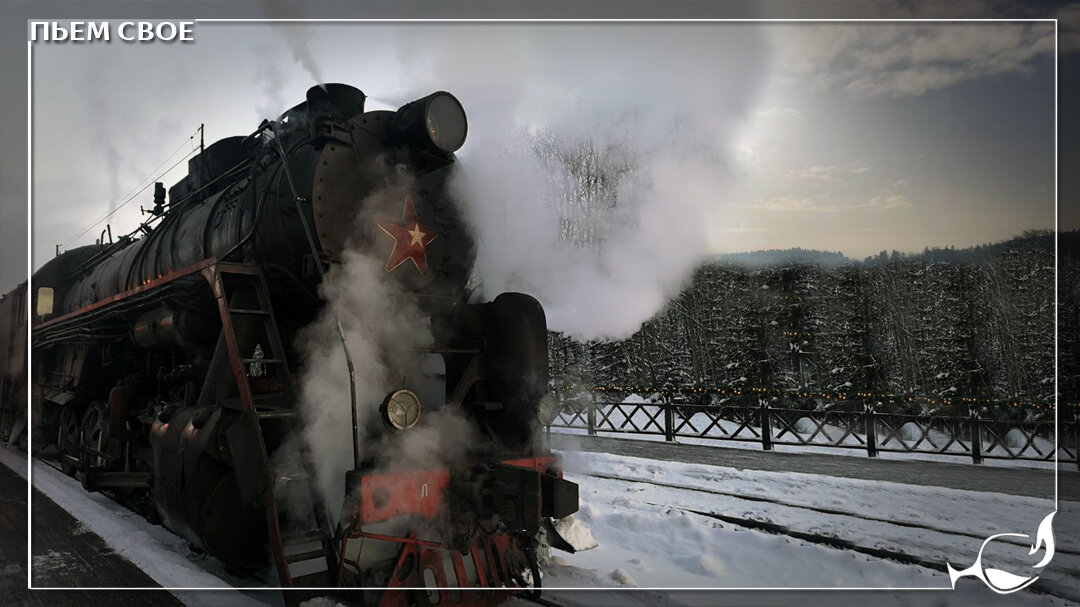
(842, 137)
(901, 136)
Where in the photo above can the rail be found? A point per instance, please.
(864, 428)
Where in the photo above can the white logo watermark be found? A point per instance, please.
(1003, 582)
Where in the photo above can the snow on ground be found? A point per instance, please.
(977, 512)
(161, 554)
(647, 538)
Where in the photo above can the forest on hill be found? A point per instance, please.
(943, 328)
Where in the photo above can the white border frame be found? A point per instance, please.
(29, 268)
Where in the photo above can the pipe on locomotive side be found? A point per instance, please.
(179, 327)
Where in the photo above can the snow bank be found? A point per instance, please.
(649, 533)
(575, 534)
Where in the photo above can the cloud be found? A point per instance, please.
(1068, 29)
(879, 60)
(888, 200)
(830, 172)
(900, 183)
(790, 204)
(884, 199)
(772, 113)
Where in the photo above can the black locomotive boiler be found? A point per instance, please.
(165, 364)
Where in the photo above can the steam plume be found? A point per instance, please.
(589, 188)
(383, 331)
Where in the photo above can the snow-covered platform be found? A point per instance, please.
(66, 555)
(86, 541)
(1028, 482)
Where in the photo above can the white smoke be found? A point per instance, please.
(272, 72)
(271, 81)
(296, 36)
(650, 110)
(665, 98)
(386, 332)
(104, 126)
(550, 110)
(383, 331)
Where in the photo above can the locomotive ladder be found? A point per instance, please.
(301, 552)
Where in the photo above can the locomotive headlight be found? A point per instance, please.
(548, 409)
(400, 410)
(437, 121)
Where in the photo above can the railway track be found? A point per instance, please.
(882, 550)
(818, 509)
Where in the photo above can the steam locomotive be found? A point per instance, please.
(165, 364)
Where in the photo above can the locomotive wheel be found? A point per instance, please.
(95, 435)
(68, 438)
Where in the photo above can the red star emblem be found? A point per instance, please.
(410, 239)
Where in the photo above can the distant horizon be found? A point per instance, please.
(890, 251)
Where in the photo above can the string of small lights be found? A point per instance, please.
(828, 396)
